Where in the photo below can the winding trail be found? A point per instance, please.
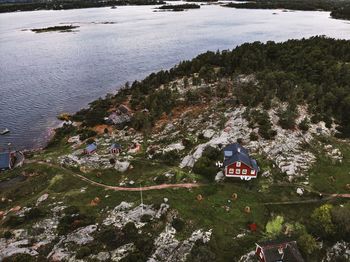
(119, 188)
(183, 185)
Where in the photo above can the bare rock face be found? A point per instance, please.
(235, 127)
(249, 257)
(286, 150)
(42, 198)
(80, 236)
(219, 176)
(176, 146)
(124, 213)
(339, 252)
(13, 247)
(168, 248)
(114, 255)
(20, 244)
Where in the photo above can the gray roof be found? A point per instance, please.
(116, 146)
(92, 147)
(5, 160)
(235, 152)
(290, 251)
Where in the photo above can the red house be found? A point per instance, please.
(238, 163)
(278, 251)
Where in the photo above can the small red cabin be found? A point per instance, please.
(238, 163)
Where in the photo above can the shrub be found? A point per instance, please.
(73, 219)
(90, 141)
(14, 221)
(341, 218)
(307, 244)
(130, 232)
(86, 133)
(321, 220)
(61, 133)
(202, 252)
(210, 190)
(110, 237)
(178, 224)
(187, 143)
(205, 167)
(274, 226)
(83, 252)
(287, 118)
(144, 244)
(201, 136)
(304, 125)
(146, 218)
(8, 234)
(212, 153)
(169, 157)
(34, 213)
(253, 136)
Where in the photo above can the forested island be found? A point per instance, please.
(136, 176)
(339, 9)
(62, 28)
(177, 8)
(71, 4)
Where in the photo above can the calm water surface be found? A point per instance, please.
(44, 74)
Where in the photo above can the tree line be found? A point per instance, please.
(71, 4)
(340, 9)
(314, 71)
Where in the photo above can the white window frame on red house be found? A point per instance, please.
(231, 171)
(244, 171)
(238, 171)
(252, 172)
(238, 164)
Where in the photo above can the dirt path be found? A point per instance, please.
(299, 201)
(119, 188)
(327, 197)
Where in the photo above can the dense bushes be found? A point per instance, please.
(178, 224)
(86, 133)
(61, 133)
(32, 214)
(313, 71)
(205, 165)
(73, 219)
(287, 117)
(63, 4)
(260, 119)
(340, 9)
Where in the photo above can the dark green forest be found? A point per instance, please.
(179, 7)
(314, 71)
(71, 4)
(340, 9)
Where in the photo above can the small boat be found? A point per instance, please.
(5, 131)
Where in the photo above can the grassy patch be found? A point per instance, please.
(329, 177)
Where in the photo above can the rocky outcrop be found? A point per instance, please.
(168, 248)
(286, 150)
(339, 252)
(124, 213)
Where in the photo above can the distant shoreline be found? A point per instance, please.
(337, 9)
(62, 5)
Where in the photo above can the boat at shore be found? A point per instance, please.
(5, 131)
